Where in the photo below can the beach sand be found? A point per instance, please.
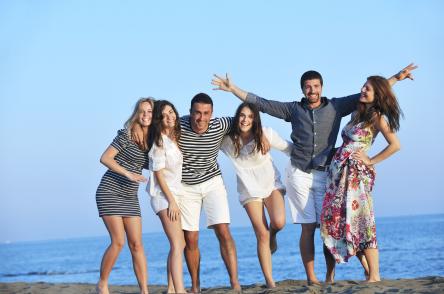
(418, 285)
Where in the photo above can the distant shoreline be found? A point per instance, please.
(432, 284)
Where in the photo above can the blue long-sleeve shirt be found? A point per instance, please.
(314, 131)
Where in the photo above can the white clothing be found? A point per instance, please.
(160, 203)
(210, 195)
(169, 159)
(305, 192)
(257, 176)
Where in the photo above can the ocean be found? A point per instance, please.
(410, 247)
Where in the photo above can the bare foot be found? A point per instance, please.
(271, 285)
(195, 290)
(314, 283)
(236, 287)
(367, 275)
(102, 288)
(329, 279)
(369, 281)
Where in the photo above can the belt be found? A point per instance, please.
(321, 168)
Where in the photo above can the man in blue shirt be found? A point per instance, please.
(315, 122)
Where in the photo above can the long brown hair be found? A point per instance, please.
(132, 120)
(256, 128)
(384, 104)
(157, 128)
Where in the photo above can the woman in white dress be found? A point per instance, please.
(258, 180)
(165, 186)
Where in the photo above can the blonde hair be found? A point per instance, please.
(132, 120)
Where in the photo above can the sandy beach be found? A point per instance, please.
(418, 285)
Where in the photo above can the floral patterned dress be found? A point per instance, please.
(347, 217)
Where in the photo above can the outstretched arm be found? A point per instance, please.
(226, 84)
(404, 73)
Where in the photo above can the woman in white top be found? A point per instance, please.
(258, 180)
(165, 186)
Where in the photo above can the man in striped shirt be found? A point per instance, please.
(200, 140)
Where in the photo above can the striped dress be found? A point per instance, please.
(116, 195)
(200, 150)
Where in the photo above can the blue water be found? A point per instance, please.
(409, 247)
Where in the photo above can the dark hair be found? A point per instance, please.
(201, 98)
(256, 128)
(156, 131)
(384, 104)
(311, 75)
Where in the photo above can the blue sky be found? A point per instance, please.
(71, 72)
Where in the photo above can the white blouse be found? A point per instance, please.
(169, 158)
(255, 171)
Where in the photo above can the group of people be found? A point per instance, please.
(324, 186)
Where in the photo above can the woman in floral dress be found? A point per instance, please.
(347, 218)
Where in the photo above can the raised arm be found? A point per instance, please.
(404, 73)
(392, 147)
(226, 84)
(107, 159)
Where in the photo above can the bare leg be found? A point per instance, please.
(170, 287)
(133, 229)
(276, 210)
(360, 255)
(228, 253)
(114, 225)
(306, 246)
(330, 263)
(256, 213)
(372, 257)
(173, 230)
(192, 257)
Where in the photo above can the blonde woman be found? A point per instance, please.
(116, 195)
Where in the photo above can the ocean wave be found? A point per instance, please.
(49, 273)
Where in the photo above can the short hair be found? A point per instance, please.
(311, 75)
(201, 98)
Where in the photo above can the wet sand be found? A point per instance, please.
(418, 285)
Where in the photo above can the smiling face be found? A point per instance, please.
(168, 118)
(145, 114)
(246, 119)
(367, 93)
(313, 90)
(200, 115)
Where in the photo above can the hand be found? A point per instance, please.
(136, 177)
(173, 211)
(221, 83)
(406, 72)
(137, 134)
(265, 144)
(362, 156)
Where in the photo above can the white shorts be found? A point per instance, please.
(210, 195)
(305, 193)
(159, 203)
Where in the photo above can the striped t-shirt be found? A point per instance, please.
(200, 150)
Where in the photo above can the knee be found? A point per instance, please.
(263, 236)
(117, 244)
(178, 246)
(279, 224)
(135, 246)
(191, 241)
(223, 233)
